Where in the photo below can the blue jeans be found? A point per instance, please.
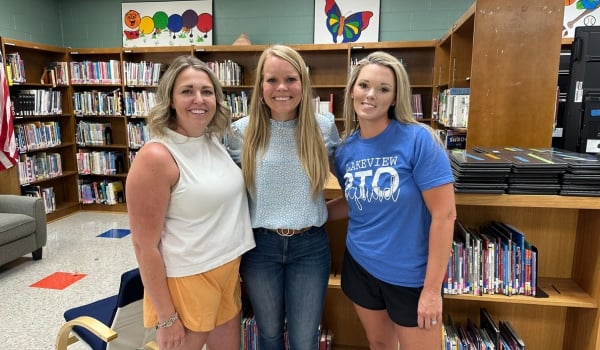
(286, 279)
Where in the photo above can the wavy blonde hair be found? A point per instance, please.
(309, 141)
(162, 115)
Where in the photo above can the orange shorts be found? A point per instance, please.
(203, 301)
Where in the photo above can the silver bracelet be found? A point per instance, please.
(169, 322)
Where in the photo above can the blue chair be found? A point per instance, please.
(113, 323)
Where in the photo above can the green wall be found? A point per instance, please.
(97, 23)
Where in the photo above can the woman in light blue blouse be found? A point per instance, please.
(284, 148)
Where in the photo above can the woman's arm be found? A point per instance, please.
(441, 204)
(148, 192)
(337, 209)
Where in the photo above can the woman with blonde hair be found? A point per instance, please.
(283, 148)
(398, 196)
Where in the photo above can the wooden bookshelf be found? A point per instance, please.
(508, 56)
(36, 57)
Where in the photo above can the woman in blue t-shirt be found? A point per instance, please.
(399, 200)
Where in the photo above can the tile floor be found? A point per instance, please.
(30, 317)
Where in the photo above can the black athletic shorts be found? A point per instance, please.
(371, 293)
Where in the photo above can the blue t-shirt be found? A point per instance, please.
(382, 179)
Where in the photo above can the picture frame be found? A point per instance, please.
(167, 23)
(345, 21)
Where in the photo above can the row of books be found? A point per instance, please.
(96, 103)
(492, 259)
(228, 72)
(39, 166)
(101, 192)
(96, 72)
(138, 103)
(100, 162)
(93, 134)
(15, 68)
(249, 339)
(55, 74)
(138, 134)
(37, 135)
(46, 193)
(453, 107)
(35, 102)
(323, 106)
(238, 104)
(142, 73)
(417, 106)
(490, 335)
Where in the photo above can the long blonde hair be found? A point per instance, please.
(400, 111)
(309, 141)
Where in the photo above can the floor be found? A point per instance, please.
(30, 317)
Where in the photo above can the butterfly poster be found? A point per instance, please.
(346, 21)
(169, 23)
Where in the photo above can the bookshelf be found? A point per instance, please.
(37, 121)
(95, 97)
(507, 55)
(96, 88)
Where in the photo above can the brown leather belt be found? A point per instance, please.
(288, 232)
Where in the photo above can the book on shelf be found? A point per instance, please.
(48, 77)
(46, 193)
(488, 335)
(453, 138)
(487, 323)
(15, 68)
(453, 107)
(510, 336)
(495, 258)
(55, 74)
(323, 106)
(417, 106)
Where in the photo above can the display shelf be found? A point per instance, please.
(33, 112)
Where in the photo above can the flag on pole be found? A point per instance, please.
(8, 145)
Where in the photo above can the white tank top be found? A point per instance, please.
(207, 222)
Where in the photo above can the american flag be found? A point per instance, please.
(8, 146)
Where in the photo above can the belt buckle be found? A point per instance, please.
(286, 232)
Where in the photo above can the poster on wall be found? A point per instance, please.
(346, 21)
(580, 13)
(169, 23)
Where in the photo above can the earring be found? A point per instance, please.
(262, 100)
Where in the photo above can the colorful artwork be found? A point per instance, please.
(172, 23)
(346, 21)
(580, 13)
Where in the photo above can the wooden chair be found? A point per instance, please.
(113, 323)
